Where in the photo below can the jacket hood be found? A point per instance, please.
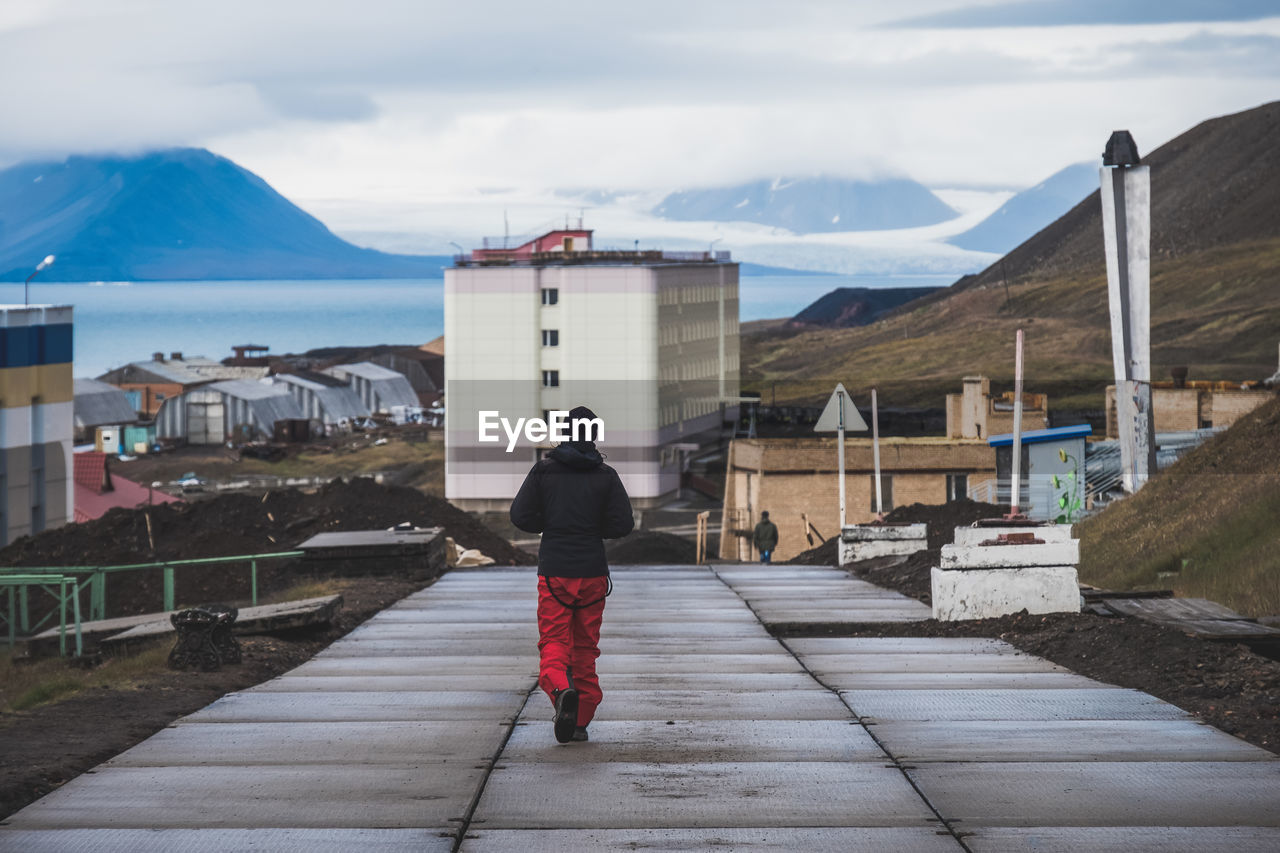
(578, 454)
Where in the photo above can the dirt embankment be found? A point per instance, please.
(230, 525)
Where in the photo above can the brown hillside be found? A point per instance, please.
(1216, 184)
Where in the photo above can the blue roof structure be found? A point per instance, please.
(1037, 436)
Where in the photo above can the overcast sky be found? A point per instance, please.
(393, 102)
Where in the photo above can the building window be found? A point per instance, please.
(886, 492)
(550, 295)
(957, 487)
(550, 379)
(551, 337)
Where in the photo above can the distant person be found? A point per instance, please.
(575, 501)
(765, 537)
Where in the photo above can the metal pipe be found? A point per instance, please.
(875, 452)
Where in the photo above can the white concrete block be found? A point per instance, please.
(1010, 556)
(866, 532)
(852, 552)
(988, 593)
(978, 535)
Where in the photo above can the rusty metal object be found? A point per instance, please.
(1013, 539)
(205, 640)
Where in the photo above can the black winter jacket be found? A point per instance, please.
(575, 501)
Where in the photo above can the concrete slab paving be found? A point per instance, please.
(249, 744)
(693, 741)
(318, 795)
(382, 742)
(1104, 793)
(675, 663)
(1029, 704)
(730, 682)
(349, 706)
(494, 665)
(627, 795)
(1125, 839)
(958, 662)
(256, 840)
(381, 683)
(429, 646)
(812, 704)
(804, 646)
(956, 680)
(1064, 740)
(762, 840)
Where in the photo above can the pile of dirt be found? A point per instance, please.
(1225, 684)
(236, 524)
(943, 519)
(651, 547)
(826, 554)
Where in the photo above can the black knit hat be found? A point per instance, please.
(582, 413)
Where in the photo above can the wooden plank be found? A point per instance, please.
(252, 620)
(1173, 609)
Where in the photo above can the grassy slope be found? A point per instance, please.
(1212, 518)
(1217, 311)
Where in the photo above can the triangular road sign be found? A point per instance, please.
(829, 420)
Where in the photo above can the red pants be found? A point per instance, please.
(570, 638)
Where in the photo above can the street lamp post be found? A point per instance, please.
(26, 286)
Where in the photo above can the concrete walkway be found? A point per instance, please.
(421, 731)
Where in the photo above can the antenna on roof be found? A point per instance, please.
(506, 231)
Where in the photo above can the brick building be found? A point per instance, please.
(976, 413)
(795, 477)
(1182, 406)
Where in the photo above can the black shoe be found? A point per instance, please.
(580, 734)
(566, 720)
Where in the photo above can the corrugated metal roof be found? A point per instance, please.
(339, 402)
(364, 369)
(391, 388)
(97, 404)
(268, 402)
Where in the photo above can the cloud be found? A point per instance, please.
(1055, 13)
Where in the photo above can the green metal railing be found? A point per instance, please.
(20, 584)
(20, 578)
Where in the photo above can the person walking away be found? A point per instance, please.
(575, 501)
(765, 537)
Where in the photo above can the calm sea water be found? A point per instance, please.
(116, 323)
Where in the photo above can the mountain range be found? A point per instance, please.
(177, 214)
(1030, 210)
(1215, 303)
(812, 205)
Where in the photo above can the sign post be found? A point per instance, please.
(838, 416)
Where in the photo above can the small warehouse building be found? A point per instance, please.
(380, 388)
(324, 399)
(238, 410)
(98, 404)
(794, 479)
